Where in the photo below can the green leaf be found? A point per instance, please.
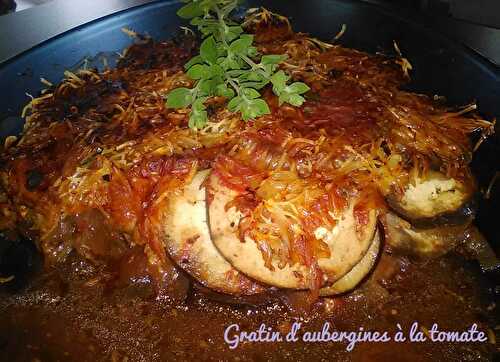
(253, 109)
(241, 45)
(260, 107)
(224, 91)
(198, 116)
(190, 10)
(252, 52)
(249, 76)
(297, 87)
(295, 100)
(248, 38)
(272, 59)
(232, 32)
(234, 104)
(255, 85)
(235, 73)
(207, 87)
(279, 80)
(198, 120)
(179, 98)
(250, 93)
(230, 62)
(228, 7)
(283, 98)
(216, 70)
(199, 104)
(194, 60)
(208, 50)
(205, 26)
(270, 68)
(199, 71)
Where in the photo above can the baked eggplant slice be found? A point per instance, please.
(346, 247)
(435, 200)
(187, 239)
(427, 242)
(358, 273)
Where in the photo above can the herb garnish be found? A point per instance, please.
(229, 66)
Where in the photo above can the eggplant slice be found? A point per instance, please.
(349, 281)
(345, 246)
(428, 242)
(187, 239)
(406, 239)
(435, 200)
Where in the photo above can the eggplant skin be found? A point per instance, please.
(406, 239)
(359, 272)
(436, 201)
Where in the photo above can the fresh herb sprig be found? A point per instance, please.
(228, 65)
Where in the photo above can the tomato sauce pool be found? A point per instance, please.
(74, 313)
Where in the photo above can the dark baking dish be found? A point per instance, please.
(440, 65)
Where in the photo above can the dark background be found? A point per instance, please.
(484, 12)
(475, 23)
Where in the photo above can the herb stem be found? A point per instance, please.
(256, 67)
(223, 26)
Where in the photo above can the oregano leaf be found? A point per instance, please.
(230, 66)
(272, 59)
(208, 50)
(191, 10)
(180, 98)
(233, 32)
(241, 45)
(297, 87)
(254, 108)
(198, 71)
(295, 100)
(224, 91)
(234, 104)
(194, 60)
(279, 80)
(250, 93)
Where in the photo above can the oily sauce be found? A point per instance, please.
(73, 313)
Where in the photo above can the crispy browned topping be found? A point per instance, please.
(106, 142)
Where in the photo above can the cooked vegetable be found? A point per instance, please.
(406, 239)
(245, 255)
(429, 242)
(435, 199)
(357, 273)
(346, 244)
(294, 194)
(188, 242)
(107, 176)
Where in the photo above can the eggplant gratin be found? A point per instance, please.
(355, 207)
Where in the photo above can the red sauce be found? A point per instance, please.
(123, 301)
